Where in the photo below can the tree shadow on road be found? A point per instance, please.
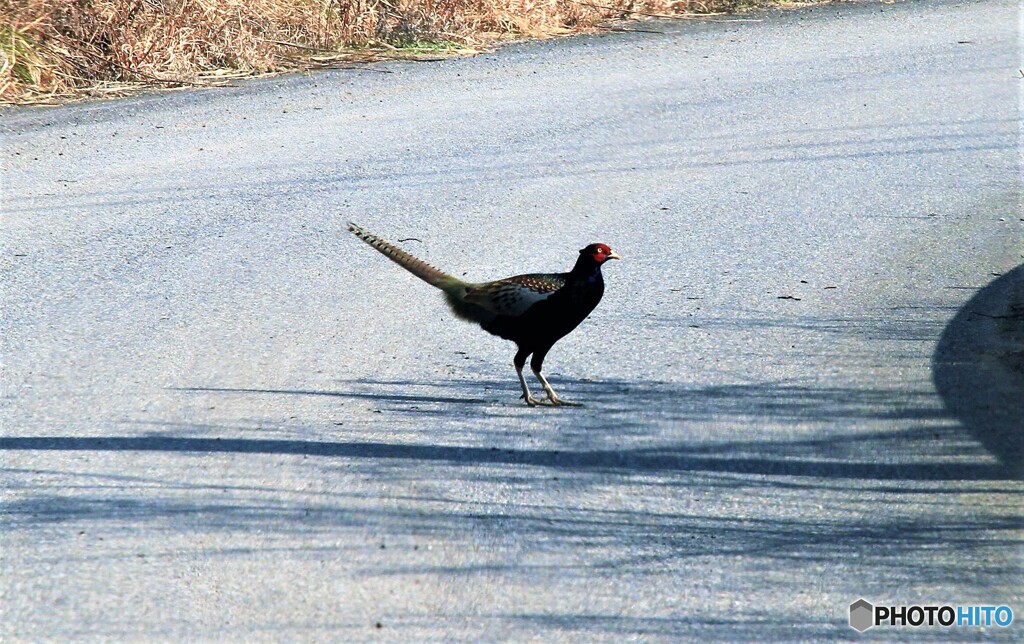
(873, 481)
(530, 516)
(799, 458)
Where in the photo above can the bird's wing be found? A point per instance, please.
(513, 296)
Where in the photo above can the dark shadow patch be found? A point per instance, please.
(978, 368)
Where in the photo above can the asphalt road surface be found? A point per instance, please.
(226, 418)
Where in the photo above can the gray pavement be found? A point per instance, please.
(225, 418)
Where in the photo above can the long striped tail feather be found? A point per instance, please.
(408, 261)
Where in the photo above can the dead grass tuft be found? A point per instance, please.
(53, 50)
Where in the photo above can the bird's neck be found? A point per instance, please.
(586, 271)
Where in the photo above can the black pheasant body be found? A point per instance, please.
(534, 310)
(543, 308)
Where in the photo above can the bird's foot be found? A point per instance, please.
(558, 402)
(550, 401)
(533, 402)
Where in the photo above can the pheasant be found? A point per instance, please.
(535, 311)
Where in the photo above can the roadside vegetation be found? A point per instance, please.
(57, 50)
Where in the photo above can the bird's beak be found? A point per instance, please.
(614, 255)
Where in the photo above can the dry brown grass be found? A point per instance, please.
(59, 49)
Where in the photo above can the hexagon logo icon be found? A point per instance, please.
(861, 615)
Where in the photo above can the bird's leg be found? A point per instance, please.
(536, 364)
(555, 400)
(520, 361)
(527, 396)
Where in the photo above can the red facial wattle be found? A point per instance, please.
(603, 253)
